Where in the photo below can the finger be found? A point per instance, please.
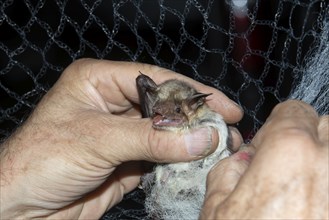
(223, 178)
(116, 80)
(236, 139)
(290, 118)
(124, 179)
(126, 139)
(323, 130)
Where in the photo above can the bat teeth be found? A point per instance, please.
(160, 121)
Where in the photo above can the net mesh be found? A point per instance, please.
(255, 53)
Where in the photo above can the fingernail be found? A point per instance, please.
(245, 153)
(242, 155)
(199, 141)
(243, 146)
(235, 139)
(236, 131)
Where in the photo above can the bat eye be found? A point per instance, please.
(177, 110)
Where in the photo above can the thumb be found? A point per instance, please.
(136, 139)
(222, 181)
(225, 175)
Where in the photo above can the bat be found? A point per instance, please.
(176, 191)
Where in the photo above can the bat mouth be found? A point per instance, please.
(160, 121)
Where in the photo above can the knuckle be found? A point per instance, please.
(295, 141)
(151, 143)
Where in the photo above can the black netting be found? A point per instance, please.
(254, 54)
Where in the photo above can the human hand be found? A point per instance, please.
(282, 174)
(80, 150)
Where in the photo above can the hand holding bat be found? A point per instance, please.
(82, 147)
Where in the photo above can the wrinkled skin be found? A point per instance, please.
(281, 174)
(81, 149)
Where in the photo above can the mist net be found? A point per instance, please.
(258, 53)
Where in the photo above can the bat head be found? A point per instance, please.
(177, 112)
(172, 104)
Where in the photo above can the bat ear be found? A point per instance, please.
(147, 91)
(145, 82)
(197, 100)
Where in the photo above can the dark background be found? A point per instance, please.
(255, 58)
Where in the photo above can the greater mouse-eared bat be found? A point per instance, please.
(176, 191)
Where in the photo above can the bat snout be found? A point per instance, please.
(162, 122)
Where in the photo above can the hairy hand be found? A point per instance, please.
(282, 174)
(80, 150)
